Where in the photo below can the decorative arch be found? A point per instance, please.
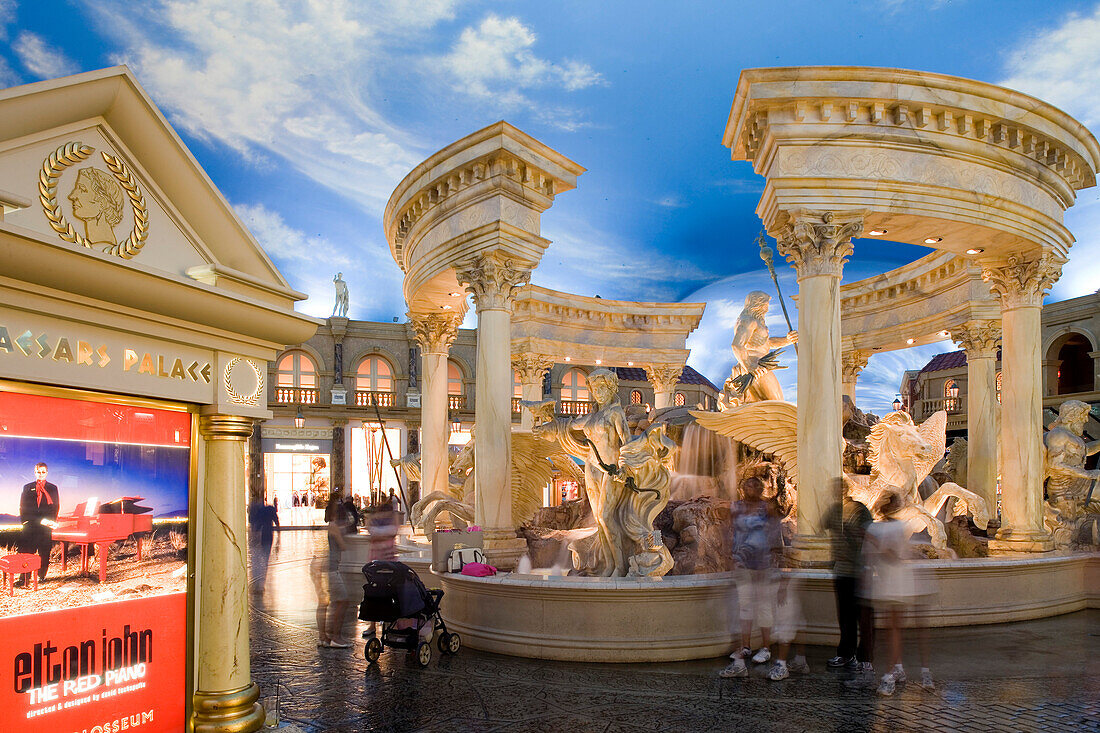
(1070, 350)
(399, 362)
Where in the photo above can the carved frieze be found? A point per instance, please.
(493, 280)
(819, 243)
(1023, 281)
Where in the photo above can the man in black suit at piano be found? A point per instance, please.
(38, 505)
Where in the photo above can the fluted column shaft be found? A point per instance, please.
(225, 696)
(434, 333)
(1021, 284)
(980, 339)
(818, 246)
(492, 279)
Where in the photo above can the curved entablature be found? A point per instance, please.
(965, 164)
(483, 193)
(597, 330)
(919, 303)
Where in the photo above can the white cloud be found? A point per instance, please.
(7, 17)
(1061, 65)
(276, 78)
(41, 59)
(310, 262)
(8, 77)
(495, 62)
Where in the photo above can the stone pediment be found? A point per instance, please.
(89, 165)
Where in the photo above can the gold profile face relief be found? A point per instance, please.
(98, 199)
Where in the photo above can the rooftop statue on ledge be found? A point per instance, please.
(1069, 485)
(340, 310)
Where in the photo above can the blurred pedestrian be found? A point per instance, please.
(757, 543)
(892, 586)
(262, 521)
(332, 594)
(847, 521)
(788, 622)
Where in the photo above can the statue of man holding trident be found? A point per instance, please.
(751, 379)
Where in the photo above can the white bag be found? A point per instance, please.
(459, 557)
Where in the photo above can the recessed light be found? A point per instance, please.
(447, 307)
(630, 363)
(454, 295)
(945, 334)
(568, 358)
(975, 251)
(598, 362)
(933, 240)
(876, 232)
(909, 341)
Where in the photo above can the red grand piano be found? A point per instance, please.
(100, 525)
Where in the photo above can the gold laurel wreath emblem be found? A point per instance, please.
(235, 396)
(75, 152)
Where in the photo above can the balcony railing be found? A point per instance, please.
(365, 398)
(456, 402)
(575, 407)
(951, 404)
(296, 395)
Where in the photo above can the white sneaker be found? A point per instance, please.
(886, 687)
(800, 665)
(926, 680)
(736, 668)
(898, 673)
(778, 671)
(741, 653)
(762, 655)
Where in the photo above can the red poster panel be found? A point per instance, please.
(98, 669)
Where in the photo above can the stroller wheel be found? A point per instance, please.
(373, 649)
(444, 641)
(454, 643)
(423, 654)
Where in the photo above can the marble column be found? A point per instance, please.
(851, 364)
(664, 378)
(225, 697)
(818, 245)
(434, 333)
(980, 339)
(493, 279)
(337, 469)
(256, 478)
(1021, 284)
(531, 369)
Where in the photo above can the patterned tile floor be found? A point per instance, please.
(1033, 676)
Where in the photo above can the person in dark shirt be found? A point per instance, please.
(38, 505)
(846, 521)
(262, 519)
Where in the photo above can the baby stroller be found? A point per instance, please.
(394, 596)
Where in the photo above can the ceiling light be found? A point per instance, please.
(598, 362)
(909, 341)
(568, 358)
(945, 333)
(876, 232)
(933, 240)
(447, 307)
(630, 363)
(975, 251)
(454, 295)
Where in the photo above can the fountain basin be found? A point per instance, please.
(695, 616)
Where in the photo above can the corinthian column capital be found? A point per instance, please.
(852, 363)
(530, 368)
(435, 332)
(819, 243)
(1023, 281)
(492, 279)
(979, 338)
(664, 377)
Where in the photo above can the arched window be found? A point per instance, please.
(951, 395)
(635, 396)
(679, 400)
(454, 378)
(574, 386)
(999, 375)
(1075, 370)
(296, 378)
(374, 382)
(517, 386)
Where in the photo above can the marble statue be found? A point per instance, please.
(902, 454)
(626, 480)
(751, 379)
(340, 309)
(1067, 480)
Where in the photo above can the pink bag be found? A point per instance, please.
(478, 569)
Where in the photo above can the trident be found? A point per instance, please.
(766, 255)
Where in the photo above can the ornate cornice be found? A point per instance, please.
(1023, 281)
(531, 368)
(852, 363)
(664, 377)
(818, 243)
(979, 338)
(435, 332)
(492, 279)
